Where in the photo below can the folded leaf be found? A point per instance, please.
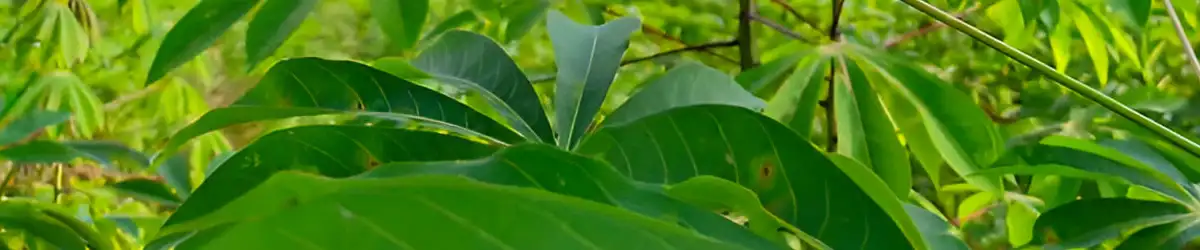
(587, 58)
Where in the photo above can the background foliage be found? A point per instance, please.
(842, 124)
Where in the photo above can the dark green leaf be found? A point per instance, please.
(545, 167)
(474, 62)
(28, 217)
(401, 20)
(274, 23)
(463, 18)
(865, 132)
(149, 190)
(312, 86)
(1137, 11)
(1081, 224)
(1058, 170)
(935, 230)
(31, 122)
(401, 68)
(587, 58)
(197, 30)
(176, 173)
(434, 212)
(685, 85)
(1170, 236)
(795, 181)
(44, 152)
(522, 16)
(335, 151)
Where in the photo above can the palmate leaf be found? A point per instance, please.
(272, 24)
(953, 126)
(795, 181)
(335, 151)
(548, 168)
(865, 132)
(474, 62)
(197, 30)
(1081, 224)
(795, 103)
(433, 212)
(312, 86)
(587, 58)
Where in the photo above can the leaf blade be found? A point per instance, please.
(587, 58)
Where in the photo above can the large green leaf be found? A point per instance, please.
(1081, 224)
(545, 167)
(336, 151)
(474, 62)
(795, 181)
(587, 58)
(434, 212)
(865, 132)
(401, 20)
(31, 122)
(312, 86)
(197, 30)
(959, 130)
(685, 85)
(273, 23)
(1093, 40)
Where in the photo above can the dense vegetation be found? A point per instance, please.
(599, 124)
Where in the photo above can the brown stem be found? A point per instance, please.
(830, 117)
(797, 14)
(700, 47)
(661, 34)
(928, 28)
(779, 27)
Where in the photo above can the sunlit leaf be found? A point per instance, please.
(197, 30)
(865, 132)
(273, 23)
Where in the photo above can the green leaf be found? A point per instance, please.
(1093, 39)
(273, 23)
(866, 133)
(30, 123)
(1051, 169)
(934, 229)
(460, 19)
(148, 190)
(718, 194)
(1144, 154)
(197, 30)
(762, 77)
(474, 62)
(542, 166)
(401, 20)
(1088, 156)
(1168, 236)
(522, 16)
(312, 86)
(335, 151)
(401, 68)
(795, 181)
(1137, 11)
(587, 58)
(958, 129)
(46, 152)
(879, 193)
(436, 212)
(685, 85)
(53, 227)
(796, 101)
(1019, 220)
(1079, 224)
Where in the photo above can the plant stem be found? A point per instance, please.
(780, 28)
(805, 20)
(1062, 79)
(744, 37)
(681, 50)
(924, 30)
(661, 34)
(1187, 45)
(830, 114)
